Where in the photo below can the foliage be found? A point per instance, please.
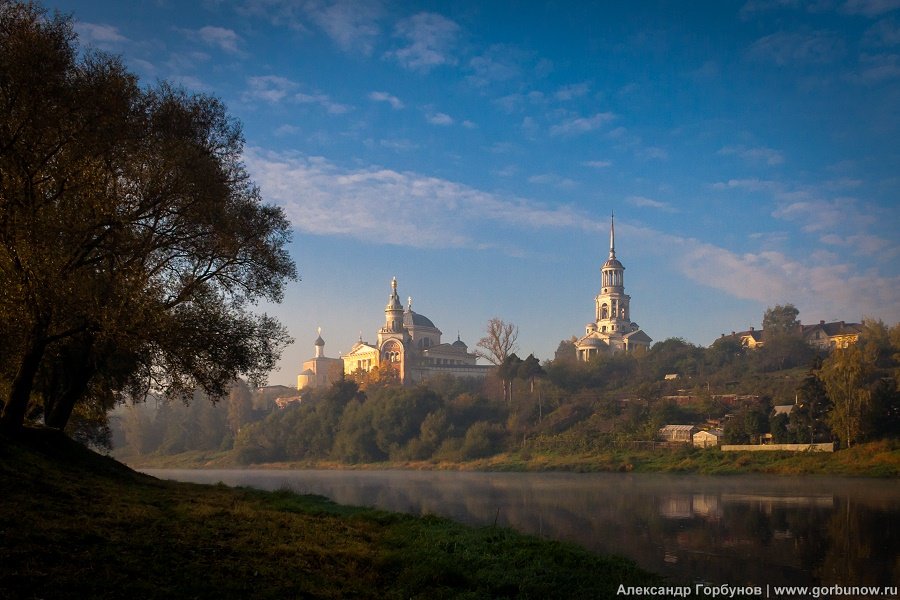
(134, 242)
(781, 320)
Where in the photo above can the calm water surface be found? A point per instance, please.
(737, 530)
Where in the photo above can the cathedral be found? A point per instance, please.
(409, 343)
(612, 329)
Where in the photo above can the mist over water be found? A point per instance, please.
(738, 530)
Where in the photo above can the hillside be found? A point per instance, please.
(79, 525)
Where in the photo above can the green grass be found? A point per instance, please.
(77, 525)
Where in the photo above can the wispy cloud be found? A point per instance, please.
(322, 198)
(439, 119)
(553, 179)
(885, 32)
(597, 164)
(421, 211)
(351, 24)
(579, 125)
(217, 37)
(500, 62)
(430, 41)
(269, 88)
(756, 155)
(877, 68)
(96, 34)
(644, 202)
(797, 48)
(870, 8)
(570, 92)
(332, 107)
(394, 101)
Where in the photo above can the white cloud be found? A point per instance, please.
(578, 125)
(815, 287)
(597, 164)
(439, 119)
(885, 32)
(96, 34)
(877, 68)
(394, 101)
(431, 39)
(401, 208)
(570, 92)
(500, 62)
(219, 37)
(552, 179)
(792, 48)
(270, 88)
(324, 101)
(351, 24)
(643, 202)
(870, 8)
(322, 198)
(756, 155)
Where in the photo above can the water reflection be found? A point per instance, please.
(737, 530)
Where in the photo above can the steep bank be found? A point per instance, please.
(76, 524)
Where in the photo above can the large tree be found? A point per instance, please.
(846, 374)
(781, 320)
(134, 243)
(499, 341)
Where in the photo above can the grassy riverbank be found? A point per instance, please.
(78, 525)
(877, 459)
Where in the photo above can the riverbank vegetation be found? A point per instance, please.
(602, 415)
(79, 525)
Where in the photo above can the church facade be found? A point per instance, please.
(319, 371)
(612, 329)
(409, 343)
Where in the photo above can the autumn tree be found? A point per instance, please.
(134, 243)
(846, 374)
(499, 341)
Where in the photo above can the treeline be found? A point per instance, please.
(562, 406)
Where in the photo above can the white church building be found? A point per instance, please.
(612, 329)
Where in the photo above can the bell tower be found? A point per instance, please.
(612, 311)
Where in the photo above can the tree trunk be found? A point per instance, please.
(75, 377)
(20, 391)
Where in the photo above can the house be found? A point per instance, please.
(677, 433)
(825, 336)
(707, 439)
(782, 409)
(822, 336)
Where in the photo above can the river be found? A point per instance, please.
(736, 530)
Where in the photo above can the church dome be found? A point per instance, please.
(592, 342)
(613, 263)
(411, 318)
(460, 345)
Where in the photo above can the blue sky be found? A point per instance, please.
(475, 150)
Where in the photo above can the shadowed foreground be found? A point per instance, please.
(75, 524)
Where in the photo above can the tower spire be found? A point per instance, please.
(612, 235)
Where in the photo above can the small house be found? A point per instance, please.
(677, 433)
(707, 439)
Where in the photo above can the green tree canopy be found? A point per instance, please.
(781, 320)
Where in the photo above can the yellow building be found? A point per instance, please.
(411, 344)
